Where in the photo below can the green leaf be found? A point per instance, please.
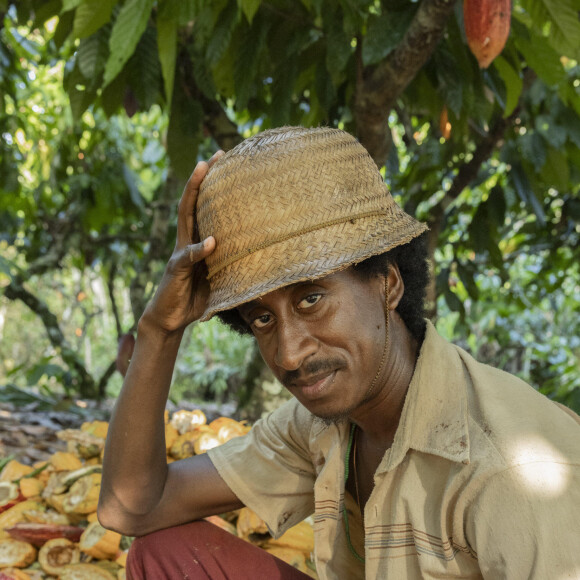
(127, 30)
(131, 182)
(553, 133)
(63, 28)
(80, 94)
(221, 37)
(282, 92)
(338, 48)
(144, 70)
(112, 95)
(479, 232)
(45, 11)
(92, 53)
(522, 186)
(206, 20)
(70, 4)
(556, 171)
(250, 50)
(183, 133)
(450, 79)
(533, 148)
(564, 24)
(90, 16)
(249, 8)
(467, 274)
(455, 305)
(542, 58)
(513, 84)
(384, 32)
(496, 206)
(167, 47)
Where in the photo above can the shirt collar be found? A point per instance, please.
(434, 417)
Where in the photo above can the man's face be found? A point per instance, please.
(323, 339)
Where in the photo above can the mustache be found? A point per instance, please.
(309, 369)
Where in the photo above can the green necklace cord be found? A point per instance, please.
(344, 514)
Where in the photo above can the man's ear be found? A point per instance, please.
(396, 286)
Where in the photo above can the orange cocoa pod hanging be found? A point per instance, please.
(487, 27)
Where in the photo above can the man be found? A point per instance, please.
(416, 461)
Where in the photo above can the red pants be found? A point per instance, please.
(201, 550)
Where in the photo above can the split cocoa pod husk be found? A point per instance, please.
(58, 553)
(16, 554)
(100, 543)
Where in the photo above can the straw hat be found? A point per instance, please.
(293, 204)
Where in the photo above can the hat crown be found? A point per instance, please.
(281, 206)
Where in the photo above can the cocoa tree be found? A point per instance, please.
(489, 157)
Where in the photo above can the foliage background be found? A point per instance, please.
(105, 107)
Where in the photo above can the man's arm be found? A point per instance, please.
(140, 493)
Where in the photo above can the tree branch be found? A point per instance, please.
(466, 174)
(111, 291)
(469, 170)
(102, 384)
(383, 83)
(83, 380)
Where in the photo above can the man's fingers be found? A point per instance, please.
(187, 204)
(215, 157)
(198, 252)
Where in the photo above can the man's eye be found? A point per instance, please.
(261, 321)
(309, 301)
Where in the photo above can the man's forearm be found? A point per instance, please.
(134, 466)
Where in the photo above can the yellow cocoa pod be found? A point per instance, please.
(250, 523)
(205, 442)
(58, 553)
(299, 537)
(16, 554)
(14, 470)
(97, 428)
(295, 558)
(31, 487)
(14, 574)
(16, 514)
(121, 558)
(185, 421)
(100, 543)
(65, 461)
(46, 517)
(92, 518)
(83, 496)
(85, 572)
(171, 435)
(221, 523)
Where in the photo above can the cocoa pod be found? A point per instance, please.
(487, 27)
(38, 534)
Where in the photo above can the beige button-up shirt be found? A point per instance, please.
(482, 480)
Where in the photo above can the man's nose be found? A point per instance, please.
(295, 344)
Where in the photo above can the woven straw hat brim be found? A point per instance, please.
(310, 256)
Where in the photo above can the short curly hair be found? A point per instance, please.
(411, 258)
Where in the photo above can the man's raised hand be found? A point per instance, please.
(183, 291)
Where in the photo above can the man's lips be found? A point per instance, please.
(314, 385)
